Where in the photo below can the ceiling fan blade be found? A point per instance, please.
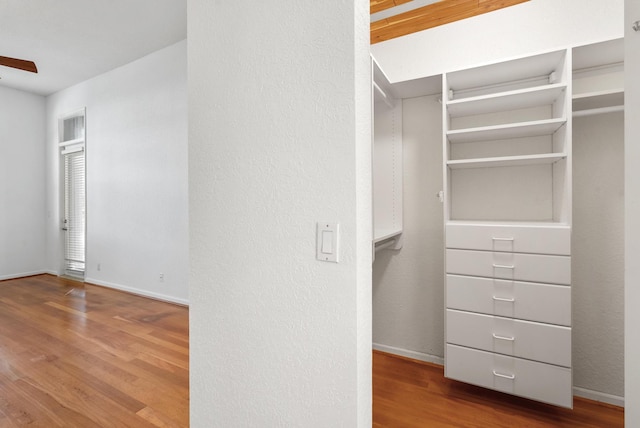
(20, 64)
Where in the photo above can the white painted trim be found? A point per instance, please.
(124, 288)
(598, 396)
(420, 356)
(82, 111)
(22, 275)
(72, 142)
(138, 292)
(577, 391)
(72, 150)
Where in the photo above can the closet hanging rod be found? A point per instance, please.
(601, 110)
(385, 244)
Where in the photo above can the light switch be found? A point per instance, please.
(327, 242)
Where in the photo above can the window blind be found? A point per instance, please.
(71, 142)
(74, 211)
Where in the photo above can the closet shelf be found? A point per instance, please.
(384, 234)
(596, 100)
(546, 224)
(505, 101)
(503, 72)
(503, 161)
(511, 130)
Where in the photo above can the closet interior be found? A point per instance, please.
(508, 141)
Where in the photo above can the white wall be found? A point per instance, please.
(526, 28)
(279, 138)
(597, 254)
(22, 188)
(136, 151)
(632, 215)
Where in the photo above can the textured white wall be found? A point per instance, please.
(632, 215)
(279, 138)
(408, 285)
(597, 251)
(22, 188)
(137, 209)
(534, 26)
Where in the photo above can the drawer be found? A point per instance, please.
(537, 239)
(538, 381)
(531, 340)
(518, 266)
(515, 299)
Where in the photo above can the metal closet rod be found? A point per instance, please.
(601, 110)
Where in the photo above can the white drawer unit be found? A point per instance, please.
(538, 381)
(507, 159)
(515, 299)
(517, 266)
(536, 239)
(534, 341)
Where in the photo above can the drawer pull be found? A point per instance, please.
(510, 339)
(504, 266)
(503, 239)
(502, 299)
(511, 377)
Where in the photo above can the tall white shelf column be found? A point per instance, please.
(507, 174)
(387, 164)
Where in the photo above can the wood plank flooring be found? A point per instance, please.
(75, 355)
(408, 393)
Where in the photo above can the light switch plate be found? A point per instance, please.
(327, 235)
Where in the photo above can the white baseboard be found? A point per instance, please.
(578, 392)
(602, 397)
(137, 291)
(420, 356)
(22, 275)
(131, 290)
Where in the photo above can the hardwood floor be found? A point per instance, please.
(408, 393)
(75, 355)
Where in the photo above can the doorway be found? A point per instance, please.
(71, 129)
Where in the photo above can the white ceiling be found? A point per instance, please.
(73, 40)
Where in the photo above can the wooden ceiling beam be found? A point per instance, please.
(380, 5)
(433, 15)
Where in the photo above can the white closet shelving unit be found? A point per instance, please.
(598, 78)
(387, 164)
(507, 175)
(507, 164)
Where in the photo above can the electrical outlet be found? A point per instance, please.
(98, 267)
(161, 277)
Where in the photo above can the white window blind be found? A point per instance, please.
(74, 211)
(71, 133)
